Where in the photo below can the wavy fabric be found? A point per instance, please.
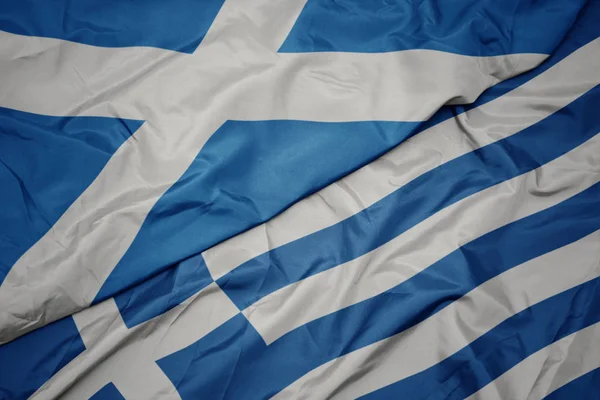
(143, 170)
(302, 199)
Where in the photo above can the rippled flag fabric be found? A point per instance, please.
(299, 199)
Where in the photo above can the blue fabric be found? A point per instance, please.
(469, 27)
(414, 202)
(175, 24)
(108, 392)
(586, 387)
(164, 291)
(246, 173)
(234, 360)
(521, 335)
(45, 164)
(29, 361)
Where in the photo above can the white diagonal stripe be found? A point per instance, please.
(548, 369)
(503, 117)
(452, 328)
(427, 242)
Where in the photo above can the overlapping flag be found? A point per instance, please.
(300, 199)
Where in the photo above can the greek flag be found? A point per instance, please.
(300, 199)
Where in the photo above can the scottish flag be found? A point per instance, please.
(300, 199)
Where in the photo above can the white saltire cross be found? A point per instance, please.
(235, 74)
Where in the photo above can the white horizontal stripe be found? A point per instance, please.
(454, 327)
(184, 99)
(127, 357)
(503, 117)
(426, 243)
(548, 369)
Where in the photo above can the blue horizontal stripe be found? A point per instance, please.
(469, 27)
(586, 387)
(29, 361)
(175, 24)
(45, 164)
(164, 291)
(245, 174)
(233, 360)
(515, 339)
(108, 392)
(415, 202)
